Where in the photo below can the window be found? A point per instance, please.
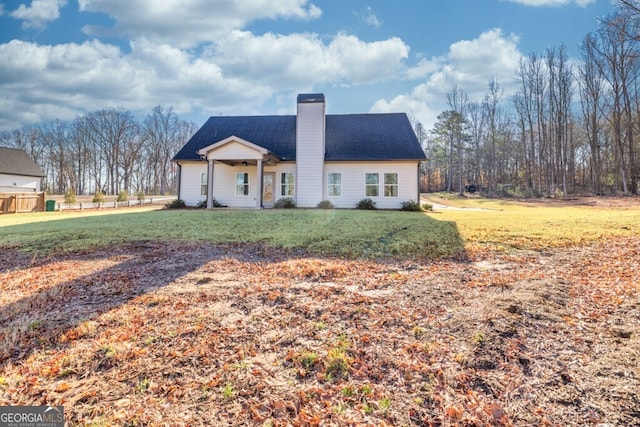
(203, 184)
(287, 184)
(334, 189)
(390, 185)
(242, 184)
(371, 187)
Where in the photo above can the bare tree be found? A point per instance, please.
(81, 152)
(531, 106)
(113, 131)
(591, 88)
(458, 101)
(55, 136)
(106, 150)
(163, 129)
(490, 108)
(560, 95)
(631, 8)
(616, 58)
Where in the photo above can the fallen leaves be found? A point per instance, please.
(219, 338)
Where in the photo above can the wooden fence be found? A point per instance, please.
(21, 202)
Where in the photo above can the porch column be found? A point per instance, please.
(179, 180)
(260, 178)
(210, 184)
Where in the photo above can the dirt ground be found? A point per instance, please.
(195, 335)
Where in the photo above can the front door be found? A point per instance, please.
(268, 189)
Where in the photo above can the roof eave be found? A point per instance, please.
(39, 175)
(375, 160)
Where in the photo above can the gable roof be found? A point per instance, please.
(17, 162)
(233, 140)
(371, 137)
(356, 137)
(275, 133)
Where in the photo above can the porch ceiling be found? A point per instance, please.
(267, 160)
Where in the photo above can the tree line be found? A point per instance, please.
(572, 127)
(106, 151)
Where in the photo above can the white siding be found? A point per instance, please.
(190, 182)
(224, 190)
(353, 183)
(235, 151)
(310, 134)
(19, 183)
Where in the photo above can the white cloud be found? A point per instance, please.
(242, 70)
(305, 59)
(422, 69)
(370, 18)
(474, 62)
(470, 65)
(46, 82)
(39, 13)
(93, 75)
(186, 23)
(552, 3)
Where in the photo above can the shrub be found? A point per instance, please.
(325, 204)
(176, 204)
(411, 205)
(285, 203)
(122, 196)
(202, 204)
(98, 197)
(140, 195)
(427, 207)
(70, 197)
(366, 204)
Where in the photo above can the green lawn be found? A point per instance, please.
(498, 225)
(336, 232)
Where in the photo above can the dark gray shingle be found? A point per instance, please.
(17, 162)
(349, 137)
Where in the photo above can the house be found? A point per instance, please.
(253, 161)
(18, 172)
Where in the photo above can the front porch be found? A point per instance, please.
(241, 171)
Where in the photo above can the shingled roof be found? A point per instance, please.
(17, 162)
(355, 137)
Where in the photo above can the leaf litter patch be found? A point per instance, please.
(202, 335)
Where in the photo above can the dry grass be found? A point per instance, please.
(190, 334)
(203, 335)
(499, 225)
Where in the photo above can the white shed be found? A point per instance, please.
(18, 172)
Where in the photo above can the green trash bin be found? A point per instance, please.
(51, 205)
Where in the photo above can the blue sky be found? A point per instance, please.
(63, 58)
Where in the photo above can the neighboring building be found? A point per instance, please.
(18, 172)
(252, 161)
